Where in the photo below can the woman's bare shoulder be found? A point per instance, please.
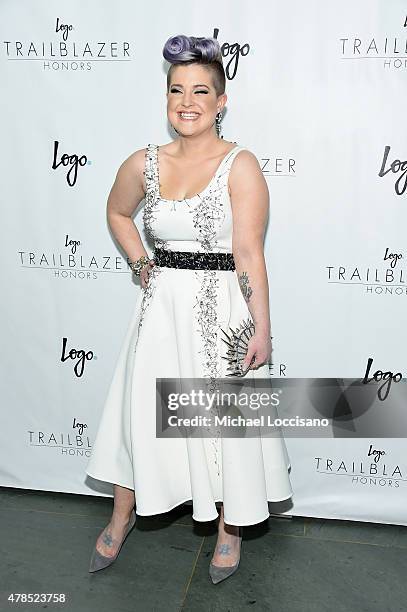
(132, 168)
(246, 173)
(136, 160)
(247, 154)
(245, 161)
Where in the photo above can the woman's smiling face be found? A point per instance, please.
(192, 103)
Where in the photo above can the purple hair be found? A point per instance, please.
(182, 49)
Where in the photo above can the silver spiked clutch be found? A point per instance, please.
(237, 343)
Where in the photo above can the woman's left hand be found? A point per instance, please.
(145, 273)
(259, 347)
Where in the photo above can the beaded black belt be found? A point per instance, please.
(194, 261)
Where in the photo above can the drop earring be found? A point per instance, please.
(218, 123)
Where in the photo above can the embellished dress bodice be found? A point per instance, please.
(202, 223)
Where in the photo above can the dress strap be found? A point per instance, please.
(226, 164)
(231, 155)
(151, 170)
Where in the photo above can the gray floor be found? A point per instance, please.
(287, 565)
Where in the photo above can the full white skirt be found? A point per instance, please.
(167, 337)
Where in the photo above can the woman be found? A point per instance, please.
(206, 218)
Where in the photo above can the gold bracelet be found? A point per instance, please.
(137, 265)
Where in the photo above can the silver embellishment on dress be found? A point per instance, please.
(148, 293)
(152, 196)
(209, 214)
(207, 302)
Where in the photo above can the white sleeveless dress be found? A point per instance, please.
(175, 333)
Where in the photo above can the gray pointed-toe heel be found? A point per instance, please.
(99, 561)
(219, 573)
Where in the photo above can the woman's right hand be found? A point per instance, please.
(145, 273)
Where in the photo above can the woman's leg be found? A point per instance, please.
(110, 538)
(227, 549)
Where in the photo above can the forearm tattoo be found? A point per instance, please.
(244, 285)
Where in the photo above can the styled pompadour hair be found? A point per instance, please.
(184, 50)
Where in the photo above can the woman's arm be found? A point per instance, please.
(125, 195)
(250, 207)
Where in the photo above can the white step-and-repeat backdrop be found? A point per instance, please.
(316, 90)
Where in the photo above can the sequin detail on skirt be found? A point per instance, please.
(206, 316)
(148, 293)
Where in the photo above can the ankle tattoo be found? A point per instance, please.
(107, 539)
